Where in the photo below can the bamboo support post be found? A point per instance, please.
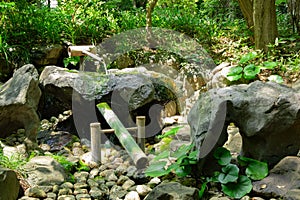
(131, 129)
(138, 156)
(96, 142)
(140, 122)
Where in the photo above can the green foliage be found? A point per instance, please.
(14, 162)
(179, 162)
(70, 167)
(239, 188)
(249, 68)
(182, 161)
(169, 133)
(233, 182)
(71, 60)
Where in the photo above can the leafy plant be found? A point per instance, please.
(14, 162)
(70, 167)
(233, 182)
(71, 60)
(248, 69)
(178, 162)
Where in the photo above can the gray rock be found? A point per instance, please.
(80, 185)
(131, 170)
(92, 183)
(51, 195)
(143, 190)
(67, 185)
(81, 177)
(283, 180)
(173, 191)
(265, 113)
(80, 191)
(117, 192)
(66, 197)
(65, 191)
(128, 184)
(122, 179)
(19, 99)
(83, 197)
(49, 55)
(44, 171)
(35, 192)
(29, 198)
(9, 184)
(96, 193)
(132, 196)
(130, 92)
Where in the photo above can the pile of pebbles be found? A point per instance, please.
(116, 178)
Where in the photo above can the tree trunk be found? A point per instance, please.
(265, 24)
(294, 10)
(150, 8)
(247, 10)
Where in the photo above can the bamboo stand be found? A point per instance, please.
(138, 156)
(96, 142)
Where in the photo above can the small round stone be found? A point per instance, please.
(132, 196)
(143, 190)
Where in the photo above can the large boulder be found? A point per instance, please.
(130, 92)
(48, 55)
(19, 99)
(9, 184)
(283, 180)
(267, 115)
(173, 191)
(44, 171)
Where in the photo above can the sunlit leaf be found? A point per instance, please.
(164, 154)
(239, 188)
(235, 71)
(256, 170)
(182, 151)
(250, 71)
(269, 65)
(157, 169)
(171, 132)
(276, 78)
(248, 57)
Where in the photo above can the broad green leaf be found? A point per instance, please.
(234, 78)
(235, 71)
(230, 173)
(223, 156)
(182, 151)
(250, 71)
(171, 132)
(269, 65)
(193, 156)
(164, 154)
(248, 57)
(183, 171)
(157, 169)
(184, 160)
(239, 188)
(256, 170)
(276, 78)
